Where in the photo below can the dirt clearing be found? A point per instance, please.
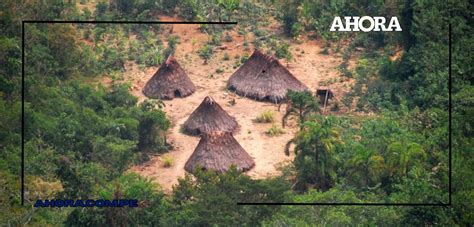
(309, 66)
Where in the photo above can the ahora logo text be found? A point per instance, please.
(365, 24)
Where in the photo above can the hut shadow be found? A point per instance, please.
(198, 133)
(184, 131)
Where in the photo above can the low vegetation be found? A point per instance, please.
(266, 116)
(275, 130)
(205, 53)
(168, 161)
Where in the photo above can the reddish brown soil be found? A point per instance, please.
(309, 66)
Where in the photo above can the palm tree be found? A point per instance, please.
(228, 5)
(315, 161)
(402, 156)
(368, 161)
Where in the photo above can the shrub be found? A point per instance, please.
(275, 130)
(205, 53)
(241, 30)
(172, 42)
(343, 68)
(296, 29)
(236, 65)
(215, 39)
(282, 50)
(325, 51)
(219, 70)
(244, 58)
(258, 32)
(266, 116)
(246, 45)
(257, 43)
(226, 57)
(168, 161)
(228, 37)
(347, 100)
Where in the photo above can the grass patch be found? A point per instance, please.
(168, 161)
(266, 116)
(275, 130)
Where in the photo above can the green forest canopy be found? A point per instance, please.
(80, 138)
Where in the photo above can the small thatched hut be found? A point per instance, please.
(170, 81)
(218, 151)
(209, 117)
(264, 78)
(324, 94)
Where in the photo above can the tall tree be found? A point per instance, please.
(315, 160)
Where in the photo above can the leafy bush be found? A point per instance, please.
(282, 50)
(173, 40)
(205, 53)
(219, 193)
(126, 186)
(296, 29)
(215, 39)
(244, 58)
(258, 32)
(246, 45)
(226, 57)
(219, 70)
(228, 37)
(303, 103)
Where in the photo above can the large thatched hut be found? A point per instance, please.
(219, 151)
(264, 78)
(209, 117)
(170, 81)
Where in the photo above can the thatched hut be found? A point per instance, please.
(170, 81)
(218, 151)
(324, 94)
(264, 78)
(209, 117)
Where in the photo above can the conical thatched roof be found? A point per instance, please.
(264, 78)
(218, 151)
(169, 81)
(209, 117)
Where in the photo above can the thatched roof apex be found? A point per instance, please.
(169, 81)
(264, 78)
(218, 151)
(209, 117)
